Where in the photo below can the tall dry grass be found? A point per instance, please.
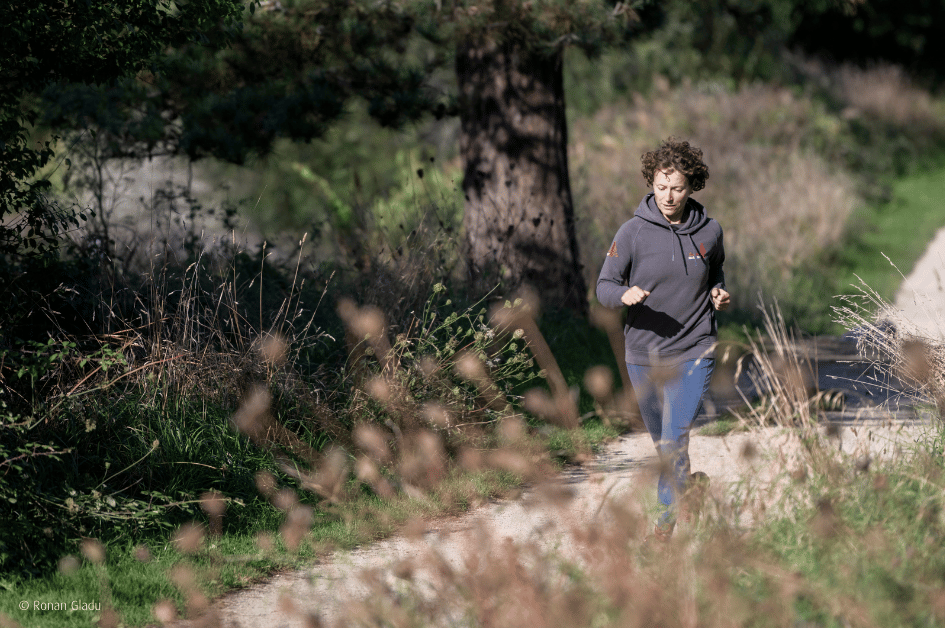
(909, 358)
(714, 573)
(886, 92)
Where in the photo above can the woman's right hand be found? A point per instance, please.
(634, 295)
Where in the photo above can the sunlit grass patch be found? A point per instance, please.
(722, 426)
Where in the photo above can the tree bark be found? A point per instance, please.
(519, 215)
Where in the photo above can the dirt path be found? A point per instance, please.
(548, 517)
(551, 517)
(921, 298)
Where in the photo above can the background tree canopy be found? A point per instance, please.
(62, 42)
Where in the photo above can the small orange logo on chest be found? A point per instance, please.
(613, 250)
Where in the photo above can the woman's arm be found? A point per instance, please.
(612, 282)
(717, 292)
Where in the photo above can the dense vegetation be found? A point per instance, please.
(157, 369)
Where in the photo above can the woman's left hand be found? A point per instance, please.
(720, 298)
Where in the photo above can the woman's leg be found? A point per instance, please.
(682, 400)
(649, 399)
(668, 410)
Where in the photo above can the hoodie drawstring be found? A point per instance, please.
(681, 249)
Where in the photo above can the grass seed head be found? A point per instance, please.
(539, 402)
(330, 478)
(917, 365)
(373, 441)
(436, 414)
(265, 542)
(183, 578)
(93, 551)
(424, 462)
(937, 604)
(366, 470)
(109, 618)
(370, 322)
(512, 429)
(297, 524)
(470, 367)
(197, 605)
(470, 459)
(312, 621)
(250, 418)
(188, 538)
(164, 611)
(405, 569)
(68, 565)
(265, 483)
(429, 366)
(142, 554)
(214, 505)
(273, 350)
(285, 500)
(599, 381)
(379, 388)
(799, 474)
(287, 605)
(415, 528)
(607, 319)
(509, 460)
(825, 523)
(555, 494)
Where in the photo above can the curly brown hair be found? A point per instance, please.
(676, 155)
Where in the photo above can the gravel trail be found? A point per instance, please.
(331, 588)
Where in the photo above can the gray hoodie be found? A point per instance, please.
(679, 265)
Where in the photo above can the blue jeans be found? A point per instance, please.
(670, 399)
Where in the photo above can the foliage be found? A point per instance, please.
(89, 43)
(736, 41)
(863, 32)
(19, 457)
(294, 67)
(119, 434)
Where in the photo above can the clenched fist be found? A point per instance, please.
(634, 295)
(720, 298)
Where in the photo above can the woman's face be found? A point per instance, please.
(672, 190)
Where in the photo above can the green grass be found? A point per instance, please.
(721, 427)
(231, 561)
(899, 229)
(133, 586)
(885, 557)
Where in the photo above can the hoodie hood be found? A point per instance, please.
(695, 220)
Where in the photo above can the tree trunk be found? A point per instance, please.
(519, 216)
